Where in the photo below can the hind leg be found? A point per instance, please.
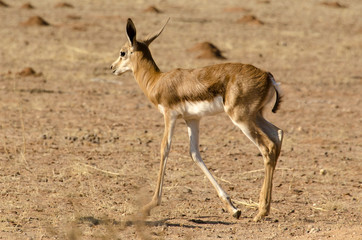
(193, 130)
(268, 139)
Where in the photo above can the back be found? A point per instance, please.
(205, 84)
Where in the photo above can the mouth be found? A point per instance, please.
(117, 73)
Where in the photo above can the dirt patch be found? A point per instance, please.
(35, 21)
(152, 9)
(235, 9)
(250, 19)
(3, 4)
(74, 17)
(333, 4)
(63, 5)
(81, 28)
(27, 6)
(28, 71)
(206, 50)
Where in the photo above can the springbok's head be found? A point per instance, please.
(132, 50)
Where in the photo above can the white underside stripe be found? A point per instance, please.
(198, 109)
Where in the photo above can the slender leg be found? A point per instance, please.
(271, 142)
(165, 149)
(268, 139)
(193, 130)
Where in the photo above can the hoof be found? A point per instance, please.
(146, 212)
(259, 217)
(237, 214)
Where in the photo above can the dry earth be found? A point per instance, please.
(79, 147)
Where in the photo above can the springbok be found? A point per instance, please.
(240, 90)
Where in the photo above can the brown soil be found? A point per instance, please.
(28, 71)
(206, 50)
(210, 55)
(74, 17)
(27, 6)
(235, 9)
(64, 5)
(79, 147)
(3, 4)
(152, 9)
(35, 21)
(250, 19)
(334, 4)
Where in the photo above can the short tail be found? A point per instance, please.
(278, 98)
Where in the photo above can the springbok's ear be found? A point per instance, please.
(131, 32)
(151, 37)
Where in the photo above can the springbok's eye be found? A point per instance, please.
(122, 54)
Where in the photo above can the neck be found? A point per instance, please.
(145, 72)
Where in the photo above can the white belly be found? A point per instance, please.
(197, 109)
(203, 108)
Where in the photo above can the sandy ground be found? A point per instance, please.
(79, 147)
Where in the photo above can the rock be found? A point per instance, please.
(322, 172)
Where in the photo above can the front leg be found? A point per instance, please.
(165, 149)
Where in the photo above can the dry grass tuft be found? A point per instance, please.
(248, 204)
